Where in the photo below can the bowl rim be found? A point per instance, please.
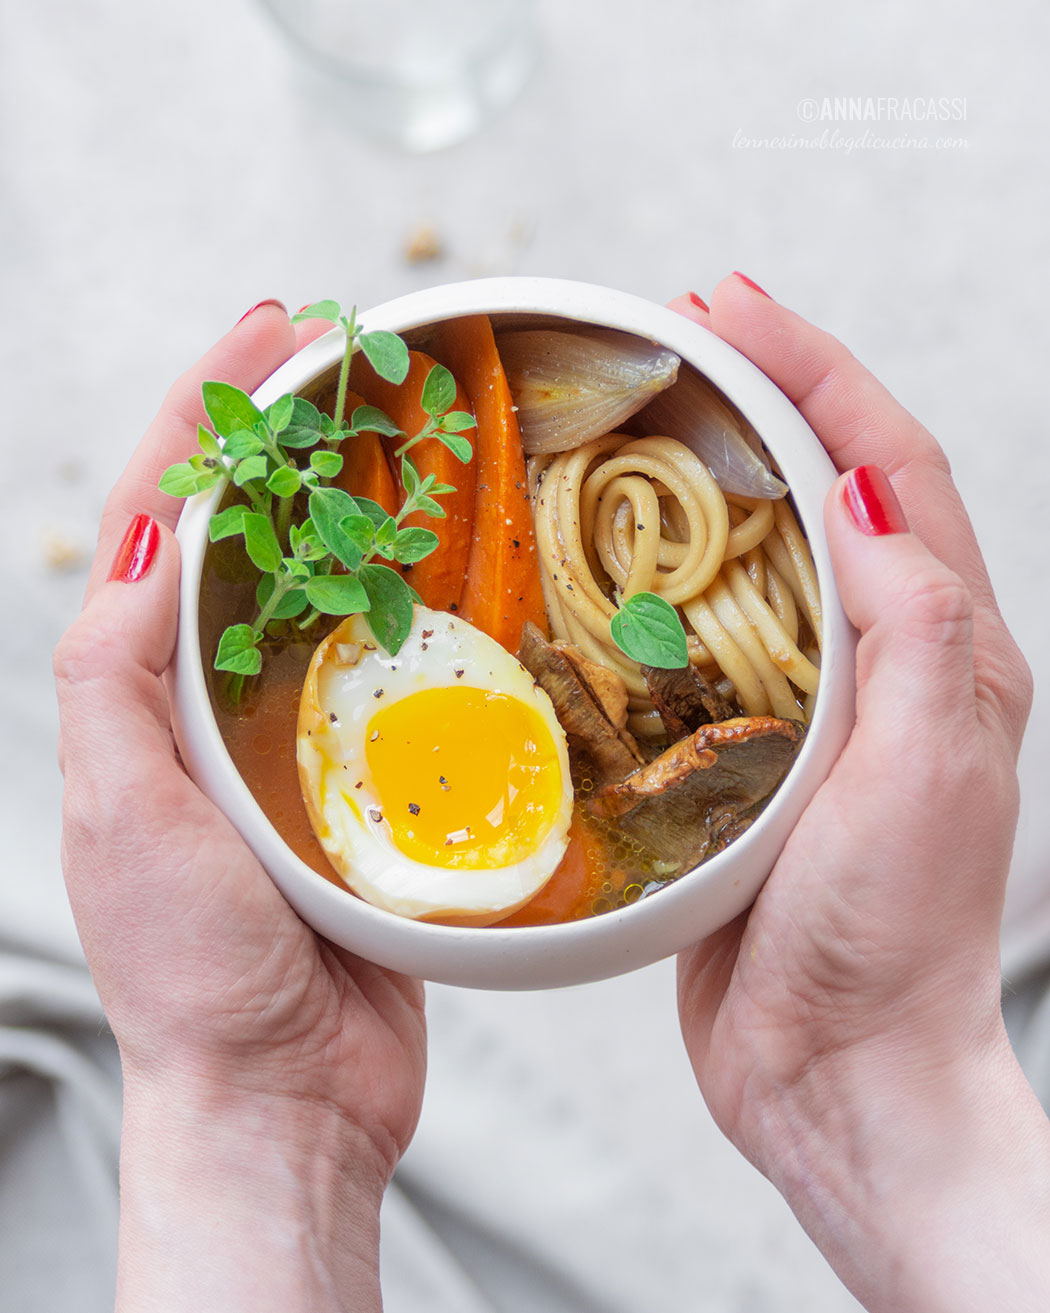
(525, 957)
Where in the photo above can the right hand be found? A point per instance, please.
(846, 1031)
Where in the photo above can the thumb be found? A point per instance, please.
(109, 666)
(915, 660)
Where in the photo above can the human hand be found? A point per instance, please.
(846, 1032)
(272, 1080)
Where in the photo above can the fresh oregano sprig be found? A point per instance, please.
(332, 560)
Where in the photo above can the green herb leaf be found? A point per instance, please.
(457, 445)
(337, 594)
(410, 476)
(439, 391)
(227, 523)
(413, 544)
(328, 507)
(207, 442)
(386, 534)
(293, 603)
(304, 429)
(319, 310)
(648, 630)
(430, 507)
(229, 409)
(305, 543)
(261, 542)
(361, 532)
(238, 651)
(370, 419)
(458, 421)
(387, 355)
(252, 467)
(372, 509)
(326, 463)
(390, 610)
(279, 415)
(183, 480)
(284, 481)
(241, 444)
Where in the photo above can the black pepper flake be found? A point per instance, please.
(333, 717)
(358, 784)
(375, 814)
(413, 807)
(639, 526)
(453, 606)
(459, 673)
(378, 693)
(515, 542)
(427, 633)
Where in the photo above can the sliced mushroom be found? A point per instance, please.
(599, 751)
(685, 700)
(703, 791)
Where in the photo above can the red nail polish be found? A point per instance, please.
(872, 503)
(698, 301)
(303, 307)
(751, 283)
(258, 306)
(135, 554)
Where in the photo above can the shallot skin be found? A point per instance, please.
(571, 387)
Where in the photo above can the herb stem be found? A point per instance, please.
(350, 325)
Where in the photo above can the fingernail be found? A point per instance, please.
(872, 503)
(135, 554)
(258, 306)
(751, 283)
(698, 301)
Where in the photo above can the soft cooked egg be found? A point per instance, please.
(437, 781)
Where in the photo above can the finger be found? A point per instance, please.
(121, 644)
(108, 670)
(916, 659)
(855, 418)
(151, 866)
(914, 614)
(246, 356)
(308, 330)
(692, 307)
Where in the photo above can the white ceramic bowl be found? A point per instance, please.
(618, 941)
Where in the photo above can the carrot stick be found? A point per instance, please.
(438, 578)
(365, 471)
(502, 588)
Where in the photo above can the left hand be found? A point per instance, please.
(262, 1064)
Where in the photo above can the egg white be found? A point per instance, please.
(349, 674)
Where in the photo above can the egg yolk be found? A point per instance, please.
(466, 777)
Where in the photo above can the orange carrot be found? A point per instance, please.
(365, 471)
(438, 578)
(502, 588)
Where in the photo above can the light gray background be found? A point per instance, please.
(161, 170)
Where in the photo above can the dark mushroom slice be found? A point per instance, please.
(606, 686)
(600, 752)
(703, 791)
(685, 700)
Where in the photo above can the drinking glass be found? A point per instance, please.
(419, 74)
